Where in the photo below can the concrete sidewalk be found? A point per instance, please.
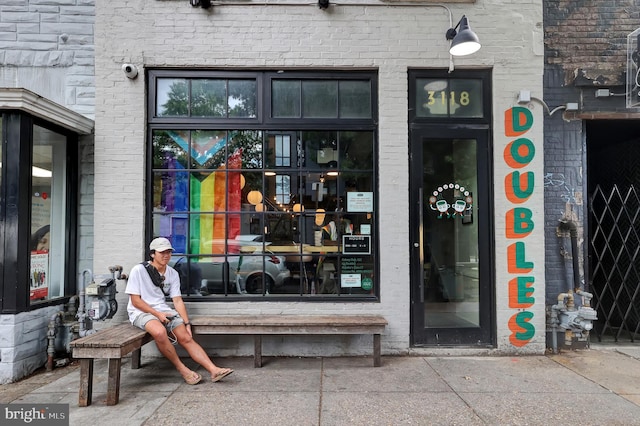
(599, 386)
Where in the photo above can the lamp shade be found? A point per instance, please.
(254, 197)
(320, 214)
(298, 208)
(259, 207)
(465, 42)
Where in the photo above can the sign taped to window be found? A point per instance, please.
(356, 244)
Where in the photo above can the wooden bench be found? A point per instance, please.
(259, 325)
(113, 344)
(116, 342)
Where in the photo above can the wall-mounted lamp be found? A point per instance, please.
(323, 4)
(463, 42)
(205, 4)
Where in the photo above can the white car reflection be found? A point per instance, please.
(252, 273)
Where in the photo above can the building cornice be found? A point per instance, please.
(36, 105)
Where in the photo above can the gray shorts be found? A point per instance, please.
(144, 318)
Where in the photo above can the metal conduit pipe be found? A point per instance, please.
(54, 321)
(82, 316)
(555, 321)
(586, 297)
(570, 225)
(560, 306)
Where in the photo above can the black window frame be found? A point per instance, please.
(15, 212)
(458, 74)
(265, 123)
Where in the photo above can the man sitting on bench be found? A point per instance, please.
(149, 283)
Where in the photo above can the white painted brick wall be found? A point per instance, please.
(390, 39)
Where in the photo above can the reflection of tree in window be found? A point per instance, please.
(211, 98)
(283, 189)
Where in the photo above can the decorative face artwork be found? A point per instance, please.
(450, 200)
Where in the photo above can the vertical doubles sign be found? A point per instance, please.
(519, 185)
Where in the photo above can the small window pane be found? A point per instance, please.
(320, 99)
(355, 99)
(356, 150)
(208, 148)
(249, 142)
(208, 232)
(242, 100)
(208, 98)
(48, 214)
(321, 149)
(283, 150)
(285, 98)
(172, 98)
(449, 98)
(170, 192)
(170, 149)
(283, 189)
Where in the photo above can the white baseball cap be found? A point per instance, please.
(160, 244)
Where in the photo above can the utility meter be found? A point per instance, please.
(101, 299)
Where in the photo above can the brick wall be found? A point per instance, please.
(389, 39)
(587, 38)
(585, 49)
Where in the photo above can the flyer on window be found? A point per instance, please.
(39, 275)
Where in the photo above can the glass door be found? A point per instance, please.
(451, 261)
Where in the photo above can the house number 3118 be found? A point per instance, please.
(461, 98)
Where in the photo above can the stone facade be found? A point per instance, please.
(47, 47)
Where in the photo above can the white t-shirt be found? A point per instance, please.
(140, 283)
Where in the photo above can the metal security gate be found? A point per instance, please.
(615, 261)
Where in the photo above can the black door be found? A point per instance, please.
(451, 260)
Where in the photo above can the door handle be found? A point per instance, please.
(420, 243)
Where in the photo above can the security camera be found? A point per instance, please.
(130, 70)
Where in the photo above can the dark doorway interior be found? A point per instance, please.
(613, 184)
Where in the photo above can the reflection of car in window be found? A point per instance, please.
(240, 273)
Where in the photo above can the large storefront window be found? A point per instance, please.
(48, 213)
(38, 202)
(261, 209)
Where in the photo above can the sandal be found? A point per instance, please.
(194, 380)
(221, 375)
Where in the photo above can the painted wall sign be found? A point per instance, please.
(519, 185)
